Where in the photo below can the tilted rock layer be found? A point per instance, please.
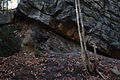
(101, 20)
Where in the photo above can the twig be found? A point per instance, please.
(96, 65)
(100, 74)
(95, 55)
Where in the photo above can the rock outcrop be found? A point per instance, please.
(100, 17)
(6, 17)
(52, 43)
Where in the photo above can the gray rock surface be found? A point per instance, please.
(101, 20)
(52, 43)
(6, 17)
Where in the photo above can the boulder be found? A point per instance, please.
(100, 18)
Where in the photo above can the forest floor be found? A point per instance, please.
(68, 66)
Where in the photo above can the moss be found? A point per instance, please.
(39, 53)
(9, 42)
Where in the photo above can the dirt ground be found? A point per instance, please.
(57, 66)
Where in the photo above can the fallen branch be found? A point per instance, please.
(100, 74)
(95, 55)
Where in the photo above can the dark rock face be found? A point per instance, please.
(100, 17)
(50, 42)
(9, 42)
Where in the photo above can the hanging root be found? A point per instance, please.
(100, 74)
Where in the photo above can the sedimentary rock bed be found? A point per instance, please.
(100, 17)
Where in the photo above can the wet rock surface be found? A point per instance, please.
(100, 17)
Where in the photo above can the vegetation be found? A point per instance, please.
(3, 4)
(9, 42)
(38, 53)
(8, 4)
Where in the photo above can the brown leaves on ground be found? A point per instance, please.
(25, 66)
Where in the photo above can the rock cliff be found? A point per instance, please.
(100, 17)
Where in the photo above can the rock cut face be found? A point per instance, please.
(100, 18)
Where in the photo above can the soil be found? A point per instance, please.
(54, 66)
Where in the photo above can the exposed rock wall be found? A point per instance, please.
(100, 17)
